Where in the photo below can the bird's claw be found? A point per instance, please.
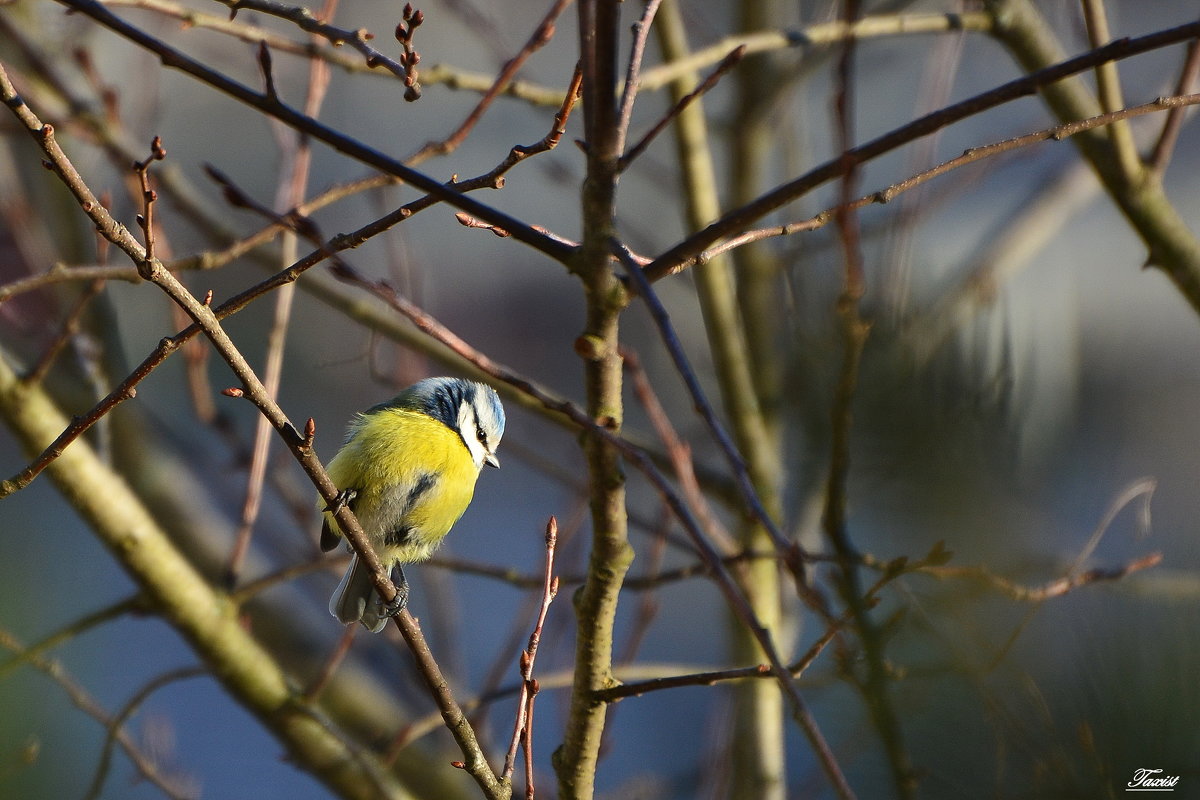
(397, 603)
(344, 498)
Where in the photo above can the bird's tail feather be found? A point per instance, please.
(355, 598)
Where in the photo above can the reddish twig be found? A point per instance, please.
(410, 20)
(540, 37)
(149, 196)
(66, 332)
(290, 194)
(335, 659)
(638, 459)
(1051, 589)
(1169, 135)
(1075, 575)
(678, 453)
(633, 73)
(523, 727)
(173, 58)
(304, 19)
(727, 63)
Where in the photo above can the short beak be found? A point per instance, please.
(491, 460)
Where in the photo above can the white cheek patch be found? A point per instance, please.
(467, 425)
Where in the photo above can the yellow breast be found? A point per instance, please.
(413, 476)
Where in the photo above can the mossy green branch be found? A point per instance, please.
(1172, 245)
(576, 759)
(759, 757)
(205, 618)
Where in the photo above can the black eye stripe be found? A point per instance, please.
(479, 432)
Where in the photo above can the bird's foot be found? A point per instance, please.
(397, 603)
(343, 499)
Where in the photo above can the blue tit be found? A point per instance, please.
(408, 471)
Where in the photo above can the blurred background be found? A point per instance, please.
(1024, 385)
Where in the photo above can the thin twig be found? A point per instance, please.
(304, 19)
(644, 464)
(61, 273)
(523, 726)
(633, 73)
(710, 677)
(66, 332)
(291, 192)
(540, 37)
(314, 690)
(143, 762)
(854, 332)
(115, 726)
(174, 58)
(678, 453)
(822, 34)
(1169, 135)
(319, 563)
(739, 219)
(729, 62)
(1142, 488)
(1057, 133)
(130, 605)
(792, 553)
(1051, 589)
(1073, 578)
(1108, 84)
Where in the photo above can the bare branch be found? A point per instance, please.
(883, 196)
(83, 700)
(729, 62)
(538, 39)
(1108, 81)
(335, 139)
(642, 462)
(818, 35)
(304, 19)
(253, 390)
(738, 220)
(115, 726)
(1170, 130)
(523, 727)
(293, 185)
(641, 32)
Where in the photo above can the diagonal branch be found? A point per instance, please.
(734, 222)
(300, 446)
(729, 62)
(173, 58)
(306, 21)
(637, 458)
(538, 39)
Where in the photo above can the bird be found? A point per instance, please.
(407, 470)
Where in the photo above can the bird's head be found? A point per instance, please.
(471, 409)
